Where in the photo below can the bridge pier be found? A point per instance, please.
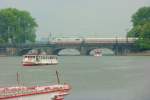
(121, 51)
(83, 51)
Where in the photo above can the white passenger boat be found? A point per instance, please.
(31, 60)
(97, 53)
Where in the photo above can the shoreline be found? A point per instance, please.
(144, 53)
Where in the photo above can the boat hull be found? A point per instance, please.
(97, 55)
(33, 64)
(38, 93)
(16, 92)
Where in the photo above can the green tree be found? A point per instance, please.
(16, 26)
(141, 28)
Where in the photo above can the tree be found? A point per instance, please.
(141, 28)
(16, 26)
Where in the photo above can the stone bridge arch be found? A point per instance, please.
(86, 50)
(104, 51)
(23, 51)
(59, 50)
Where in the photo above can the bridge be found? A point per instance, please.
(120, 46)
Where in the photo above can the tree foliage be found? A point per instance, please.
(141, 27)
(16, 26)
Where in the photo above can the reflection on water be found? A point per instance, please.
(91, 78)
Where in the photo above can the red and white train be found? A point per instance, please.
(91, 40)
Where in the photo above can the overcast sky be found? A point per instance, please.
(106, 18)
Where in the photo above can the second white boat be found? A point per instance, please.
(31, 60)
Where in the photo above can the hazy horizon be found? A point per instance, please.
(105, 18)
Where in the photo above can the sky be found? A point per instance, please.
(103, 18)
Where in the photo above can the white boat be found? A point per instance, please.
(41, 59)
(97, 53)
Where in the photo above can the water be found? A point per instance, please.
(91, 78)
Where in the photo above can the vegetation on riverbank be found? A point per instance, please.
(141, 28)
(16, 26)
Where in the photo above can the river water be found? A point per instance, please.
(91, 78)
